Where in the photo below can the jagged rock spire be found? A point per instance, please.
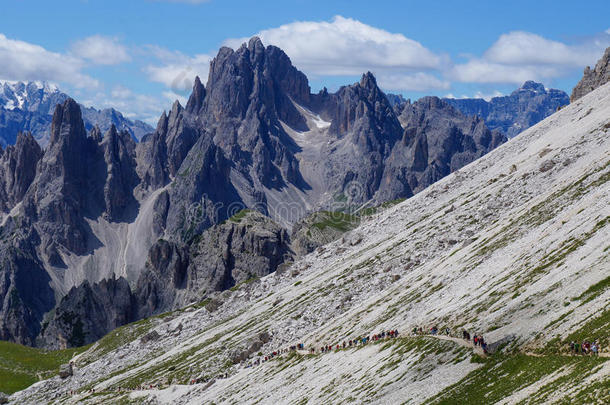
(197, 96)
(368, 81)
(96, 133)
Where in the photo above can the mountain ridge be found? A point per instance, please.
(29, 106)
(516, 112)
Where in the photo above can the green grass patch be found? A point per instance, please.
(594, 291)
(239, 216)
(245, 282)
(336, 220)
(502, 376)
(21, 366)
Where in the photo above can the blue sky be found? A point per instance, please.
(140, 55)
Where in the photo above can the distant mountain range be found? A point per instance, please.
(29, 106)
(513, 114)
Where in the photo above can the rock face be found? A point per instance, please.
(56, 200)
(437, 140)
(109, 231)
(118, 149)
(593, 79)
(29, 107)
(88, 312)
(513, 114)
(247, 246)
(25, 293)
(18, 169)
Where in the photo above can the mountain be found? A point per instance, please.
(513, 114)
(113, 230)
(29, 106)
(512, 247)
(593, 79)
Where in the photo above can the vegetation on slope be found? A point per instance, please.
(21, 366)
(505, 375)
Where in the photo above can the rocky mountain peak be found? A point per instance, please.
(162, 123)
(18, 169)
(56, 198)
(533, 86)
(368, 81)
(516, 112)
(593, 79)
(67, 124)
(257, 49)
(197, 96)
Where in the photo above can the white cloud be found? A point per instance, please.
(419, 81)
(101, 50)
(28, 62)
(345, 46)
(483, 71)
(177, 71)
(519, 56)
(525, 48)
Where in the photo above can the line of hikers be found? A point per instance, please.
(477, 340)
(585, 347)
(140, 387)
(434, 330)
(359, 341)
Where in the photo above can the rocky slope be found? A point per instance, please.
(29, 106)
(494, 248)
(96, 206)
(593, 79)
(513, 114)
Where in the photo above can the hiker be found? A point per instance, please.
(595, 349)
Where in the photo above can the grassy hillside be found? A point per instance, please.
(21, 366)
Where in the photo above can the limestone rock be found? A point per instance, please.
(65, 370)
(593, 79)
(88, 312)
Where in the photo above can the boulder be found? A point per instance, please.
(65, 370)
